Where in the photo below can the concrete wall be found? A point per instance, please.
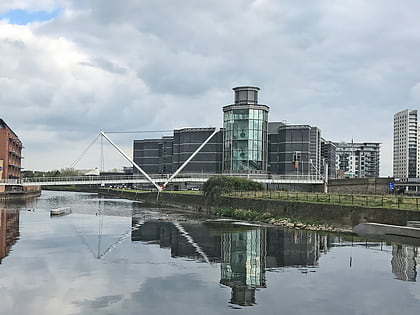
(360, 185)
(339, 216)
(296, 187)
(19, 195)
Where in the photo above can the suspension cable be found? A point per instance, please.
(84, 152)
(139, 131)
(102, 155)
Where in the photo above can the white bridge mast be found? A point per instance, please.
(160, 188)
(131, 161)
(216, 130)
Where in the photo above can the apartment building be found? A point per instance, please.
(406, 143)
(10, 152)
(356, 160)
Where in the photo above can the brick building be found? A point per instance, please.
(10, 153)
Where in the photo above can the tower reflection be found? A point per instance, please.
(243, 264)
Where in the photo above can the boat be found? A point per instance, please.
(60, 211)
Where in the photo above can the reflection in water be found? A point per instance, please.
(243, 262)
(9, 230)
(252, 263)
(405, 260)
(244, 252)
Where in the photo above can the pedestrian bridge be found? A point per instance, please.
(161, 179)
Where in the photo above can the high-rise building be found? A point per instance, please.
(10, 152)
(356, 160)
(245, 132)
(406, 137)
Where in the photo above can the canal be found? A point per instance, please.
(113, 256)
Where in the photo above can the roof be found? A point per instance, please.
(4, 125)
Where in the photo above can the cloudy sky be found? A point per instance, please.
(71, 68)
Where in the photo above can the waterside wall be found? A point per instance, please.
(377, 186)
(338, 215)
(20, 195)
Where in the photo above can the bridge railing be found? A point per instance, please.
(160, 178)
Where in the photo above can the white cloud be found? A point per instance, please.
(108, 65)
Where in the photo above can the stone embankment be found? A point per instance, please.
(329, 217)
(298, 225)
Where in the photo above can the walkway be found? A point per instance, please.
(158, 178)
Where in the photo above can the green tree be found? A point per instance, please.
(220, 184)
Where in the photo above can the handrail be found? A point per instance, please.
(161, 178)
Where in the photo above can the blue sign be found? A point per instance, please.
(1, 168)
(391, 186)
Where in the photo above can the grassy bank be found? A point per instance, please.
(266, 217)
(369, 201)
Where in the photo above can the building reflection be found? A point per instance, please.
(405, 259)
(9, 230)
(244, 252)
(295, 248)
(243, 264)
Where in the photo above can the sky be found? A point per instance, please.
(72, 68)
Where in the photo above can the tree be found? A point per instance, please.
(220, 184)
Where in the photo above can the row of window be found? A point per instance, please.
(240, 114)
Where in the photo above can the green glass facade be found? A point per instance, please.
(245, 133)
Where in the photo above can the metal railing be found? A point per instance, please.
(369, 201)
(160, 178)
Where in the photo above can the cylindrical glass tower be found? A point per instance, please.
(245, 134)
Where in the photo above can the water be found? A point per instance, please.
(112, 256)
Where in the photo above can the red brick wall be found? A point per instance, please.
(10, 153)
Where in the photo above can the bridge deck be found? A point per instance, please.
(138, 179)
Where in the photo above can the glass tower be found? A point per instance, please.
(245, 132)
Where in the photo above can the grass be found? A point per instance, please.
(370, 201)
(130, 190)
(250, 215)
(186, 192)
(241, 214)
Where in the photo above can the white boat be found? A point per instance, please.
(60, 211)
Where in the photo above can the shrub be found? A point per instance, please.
(242, 214)
(220, 184)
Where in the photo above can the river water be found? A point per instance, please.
(113, 256)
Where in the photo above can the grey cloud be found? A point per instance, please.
(100, 302)
(318, 64)
(105, 65)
